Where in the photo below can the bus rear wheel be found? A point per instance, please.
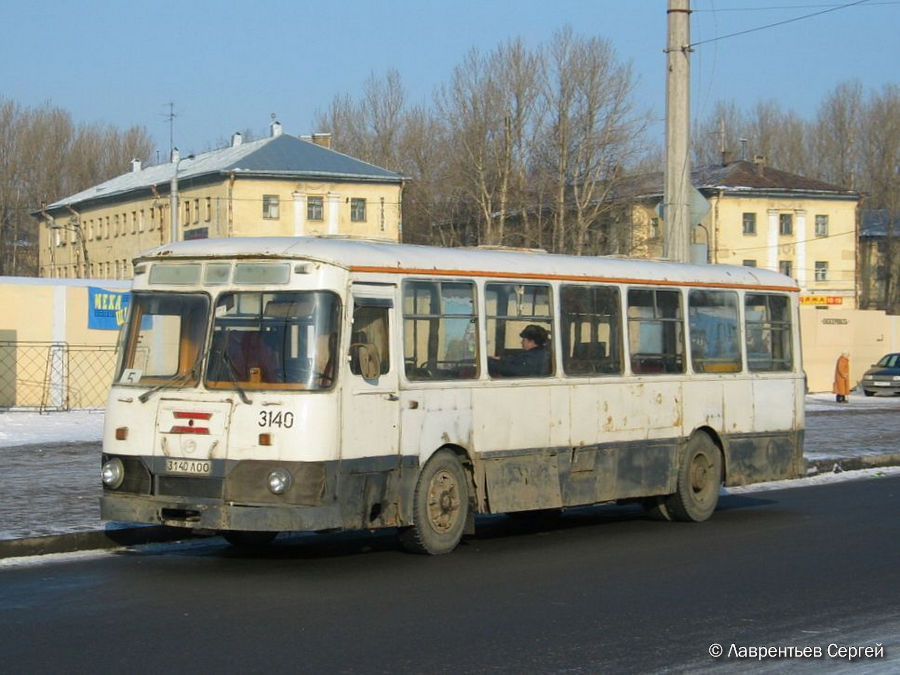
(440, 506)
(699, 479)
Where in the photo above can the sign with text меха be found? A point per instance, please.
(106, 309)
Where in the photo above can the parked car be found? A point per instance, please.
(884, 376)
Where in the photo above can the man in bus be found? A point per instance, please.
(533, 360)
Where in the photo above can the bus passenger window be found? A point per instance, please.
(768, 332)
(655, 331)
(440, 330)
(591, 330)
(715, 340)
(517, 314)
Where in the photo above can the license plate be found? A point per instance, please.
(195, 467)
(882, 384)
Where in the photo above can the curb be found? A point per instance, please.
(91, 540)
(837, 465)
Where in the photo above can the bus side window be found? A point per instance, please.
(655, 331)
(592, 330)
(369, 342)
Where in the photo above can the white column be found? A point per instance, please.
(800, 238)
(58, 322)
(334, 205)
(772, 241)
(299, 214)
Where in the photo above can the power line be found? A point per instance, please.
(769, 8)
(779, 23)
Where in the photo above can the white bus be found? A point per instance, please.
(319, 384)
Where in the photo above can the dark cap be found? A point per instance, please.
(537, 334)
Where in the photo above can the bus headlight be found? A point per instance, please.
(113, 473)
(279, 481)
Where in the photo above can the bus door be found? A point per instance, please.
(370, 406)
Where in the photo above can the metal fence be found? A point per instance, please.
(54, 376)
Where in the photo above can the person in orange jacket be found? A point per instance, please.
(841, 386)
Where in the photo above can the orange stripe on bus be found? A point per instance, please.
(565, 277)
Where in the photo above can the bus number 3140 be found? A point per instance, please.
(269, 418)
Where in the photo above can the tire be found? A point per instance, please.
(868, 393)
(248, 539)
(699, 480)
(440, 506)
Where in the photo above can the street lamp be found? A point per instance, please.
(74, 226)
(173, 195)
(700, 253)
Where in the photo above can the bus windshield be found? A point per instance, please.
(162, 339)
(277, 340)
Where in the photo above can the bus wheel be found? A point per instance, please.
(248, 539)
(699, 479)
(440, 506)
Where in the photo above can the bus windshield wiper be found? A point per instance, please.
(174, 381)
(233, 376)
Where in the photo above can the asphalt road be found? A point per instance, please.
(603, 589)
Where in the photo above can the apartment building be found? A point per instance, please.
(278, 185)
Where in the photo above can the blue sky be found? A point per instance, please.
(229, 65)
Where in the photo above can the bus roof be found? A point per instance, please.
(372, 256)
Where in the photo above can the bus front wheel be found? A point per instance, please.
(699, 479)
(440, 506)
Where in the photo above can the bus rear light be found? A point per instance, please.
(265, 439)
(121, 433)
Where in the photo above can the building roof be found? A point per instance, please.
(744, 175)
(278, 156)
(736, 177)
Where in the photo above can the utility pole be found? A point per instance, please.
(676, 214)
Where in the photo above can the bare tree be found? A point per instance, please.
(44, 157)
(835, 136)
(592, 135)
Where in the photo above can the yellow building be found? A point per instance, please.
(806, 229)
(279, 185)
(758, 216)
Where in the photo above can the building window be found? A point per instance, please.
(749, 263)
(208, 215)
(785, 267)
(141, 221)
(315, 208)
(270, 207)
(749, 223)
(785, 223)
(654, 228)
(821, 270)
(196, 211)
(116, 225)
(187, 213)
(358, 210)
(134, 221)
(821, 226)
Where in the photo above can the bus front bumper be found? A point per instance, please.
(214, 515)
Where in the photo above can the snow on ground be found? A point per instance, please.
(77, 426)
(25, 428)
